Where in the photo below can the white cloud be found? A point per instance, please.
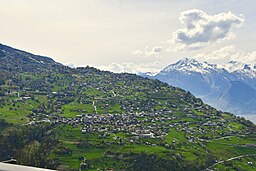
(136, 52)
(226, 54)
(154, 51)
(153, 67)
(202, 29)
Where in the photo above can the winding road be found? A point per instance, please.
(230, 159)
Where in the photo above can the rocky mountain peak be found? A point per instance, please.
(213, 82)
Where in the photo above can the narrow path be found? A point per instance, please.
(228, 136)
(95, 107)
(230, 159)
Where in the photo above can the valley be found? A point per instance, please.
(229, 87)
(66, 118)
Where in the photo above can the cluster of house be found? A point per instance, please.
(140, 118)
(146, 124)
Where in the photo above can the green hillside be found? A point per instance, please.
(62, 118)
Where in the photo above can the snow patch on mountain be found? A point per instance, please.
(188, 65)
(214, 83)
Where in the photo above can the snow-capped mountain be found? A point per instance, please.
(229, 87)
(191, 65)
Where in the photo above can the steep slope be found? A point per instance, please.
(211, 81)
(238, 96)
(17, 60)
(72, 118)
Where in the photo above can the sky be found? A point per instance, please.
(131, 35)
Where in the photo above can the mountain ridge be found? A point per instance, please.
(191, 64)
(211, 81)
(9, 49)
(54, 116)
